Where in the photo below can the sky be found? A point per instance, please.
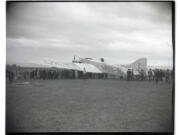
(119, 32)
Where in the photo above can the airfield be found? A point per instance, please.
(92, 105)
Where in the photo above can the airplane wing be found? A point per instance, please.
(72, 66)
(61, 65)
(92, 66)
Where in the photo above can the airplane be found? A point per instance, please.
(94, 66)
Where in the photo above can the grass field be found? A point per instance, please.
(91, 105)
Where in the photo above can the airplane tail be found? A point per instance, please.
(139, 64)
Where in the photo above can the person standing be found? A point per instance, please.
(132, 74)
(142, 75)
(11, 76)
(160, 74)
(172, 75)
(156, 74)
(167, 73)
(128, 74)
(150, 74)
(84, 73)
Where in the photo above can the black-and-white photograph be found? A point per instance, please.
(89, 67)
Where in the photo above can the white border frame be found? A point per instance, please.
(3, 63)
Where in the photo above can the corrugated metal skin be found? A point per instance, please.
(88, 67)
(71, 66)
(105, 68)
(74, 66)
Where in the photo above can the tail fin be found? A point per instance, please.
(139, 64)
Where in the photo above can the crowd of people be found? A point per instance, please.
(151, 75)
(43, 74)
(160, 75)
(49, 73)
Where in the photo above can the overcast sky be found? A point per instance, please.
(120, 32)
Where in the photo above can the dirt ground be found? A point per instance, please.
(89, 106)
